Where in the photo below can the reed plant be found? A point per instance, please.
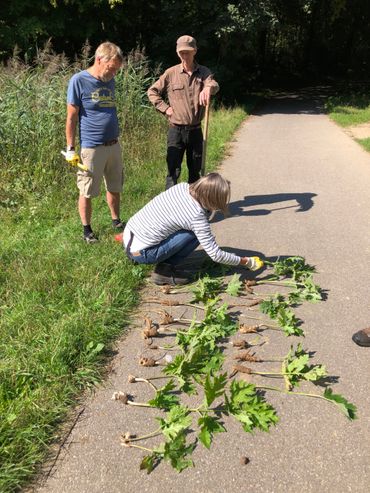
(62, 302)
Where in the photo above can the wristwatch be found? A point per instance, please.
(70, 148)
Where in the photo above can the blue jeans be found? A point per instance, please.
(173, 250)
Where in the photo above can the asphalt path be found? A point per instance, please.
(300, 186)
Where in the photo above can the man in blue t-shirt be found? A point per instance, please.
(91, 103)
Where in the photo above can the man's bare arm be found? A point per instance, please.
(71, 123)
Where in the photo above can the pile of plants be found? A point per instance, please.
(199, 368)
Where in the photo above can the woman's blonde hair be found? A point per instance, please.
(212, 192)
(108, 50)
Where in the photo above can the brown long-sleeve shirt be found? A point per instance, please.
(182, 92)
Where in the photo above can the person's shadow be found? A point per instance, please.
(303, 202)
(199, 262)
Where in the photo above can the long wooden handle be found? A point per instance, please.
(205, 137)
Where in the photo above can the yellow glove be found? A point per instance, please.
(73, 159)
(254, 263)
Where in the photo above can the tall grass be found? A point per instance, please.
(62, 302)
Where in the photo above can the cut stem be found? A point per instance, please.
(283, 391)
(143, 437)
(140, 447)
(138, 404)
(278, 282)
(145, 380)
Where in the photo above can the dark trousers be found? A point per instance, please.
(179, 140)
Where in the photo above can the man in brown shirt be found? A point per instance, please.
(181, 94)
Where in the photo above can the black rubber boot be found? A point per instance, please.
(167, 274)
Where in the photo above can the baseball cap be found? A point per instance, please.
(186, 43)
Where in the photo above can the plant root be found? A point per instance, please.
(167, 319)
(255, 302)
(248, 356)
(162, 302)
(150, 329)
(127, 437)
(248, 329)
(242, 369)
(143, 361)
(172, 303)
(120, 396)
(166, 289)
(125, 399)
(250, 282)
(247, 305)
(241, 344)
(132, 379)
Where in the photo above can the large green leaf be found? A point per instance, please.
(177, 420)
(176, 452)
(346, 407)
(150, 461)
(235, 286)
(214, 387)
(208, 427)
(249, 408)
(164, 399)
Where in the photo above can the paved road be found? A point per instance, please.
(300, 186)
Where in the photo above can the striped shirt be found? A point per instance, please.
(171, 211)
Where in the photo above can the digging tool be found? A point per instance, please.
(205, 137)
(75, 161)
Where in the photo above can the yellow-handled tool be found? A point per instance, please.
(75, 161)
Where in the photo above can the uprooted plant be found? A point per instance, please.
(239, 399)
(198, 371)
(291, 272)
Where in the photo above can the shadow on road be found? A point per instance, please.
(307, 100)
(304, 202)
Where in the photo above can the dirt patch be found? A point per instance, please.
(361, 131)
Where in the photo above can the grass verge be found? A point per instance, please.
(63, 302)
(350, 109)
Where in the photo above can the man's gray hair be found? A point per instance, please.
(108, 50)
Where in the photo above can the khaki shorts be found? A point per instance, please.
(102, 162)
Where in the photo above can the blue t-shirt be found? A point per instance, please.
(98, 115)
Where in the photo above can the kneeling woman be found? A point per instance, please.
(174, 223)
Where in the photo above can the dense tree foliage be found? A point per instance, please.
(243, 41)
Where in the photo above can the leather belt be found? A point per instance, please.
(185, 127)
(110, 142)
